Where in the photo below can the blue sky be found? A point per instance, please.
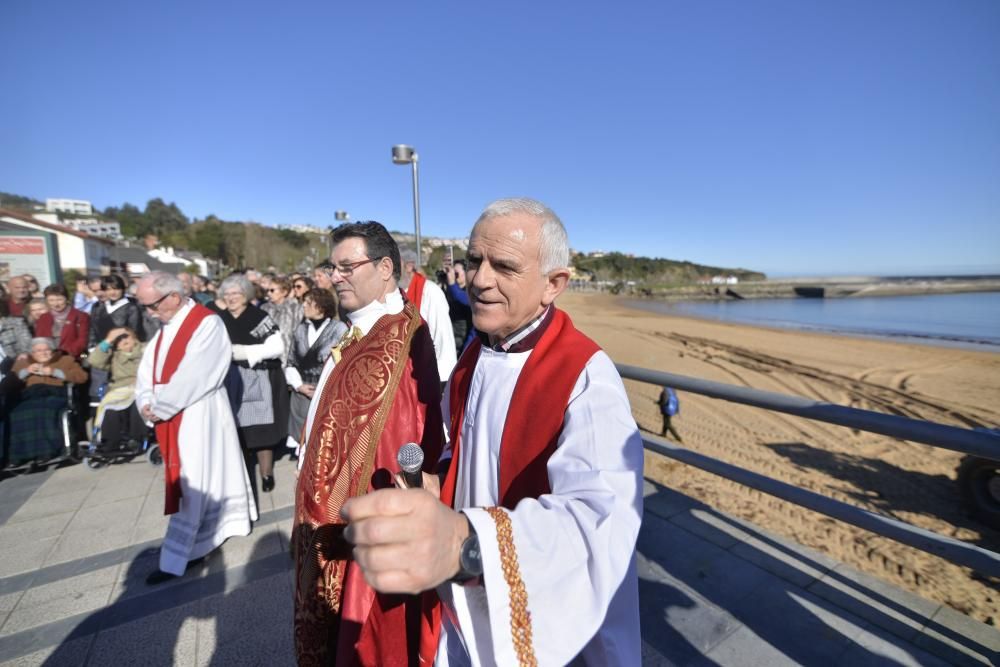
(797, 138)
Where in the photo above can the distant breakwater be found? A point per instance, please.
(797, 289)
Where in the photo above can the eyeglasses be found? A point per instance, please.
(347, 269)
(155, 306)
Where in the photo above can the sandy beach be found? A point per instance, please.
(908, 481)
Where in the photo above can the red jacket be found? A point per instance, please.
(73, 339)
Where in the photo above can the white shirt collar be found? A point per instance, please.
(180, 315)
(112, 307)
(365, 318)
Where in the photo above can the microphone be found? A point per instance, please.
(411, 459)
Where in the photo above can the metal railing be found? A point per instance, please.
(978, 443)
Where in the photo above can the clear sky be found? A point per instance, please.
(796, 138)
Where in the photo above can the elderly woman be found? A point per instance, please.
(114, 312)
(63, 323)
(34, 431)
(311, 345)
(284, 310)
(262, 407)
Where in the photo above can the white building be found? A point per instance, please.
(75, 206)
(77, 250)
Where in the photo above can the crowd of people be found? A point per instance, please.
(282, 327)
(531, 482)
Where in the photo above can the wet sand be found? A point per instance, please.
(908, 481)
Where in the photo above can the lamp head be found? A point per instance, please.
(403, 154)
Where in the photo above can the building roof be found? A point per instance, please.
(133, 255)
(48, 226)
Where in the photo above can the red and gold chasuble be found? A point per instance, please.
(383, 393)
(168, 431)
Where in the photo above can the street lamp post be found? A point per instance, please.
(403, 154)
(339, 216)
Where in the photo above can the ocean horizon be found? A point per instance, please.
(968, 320)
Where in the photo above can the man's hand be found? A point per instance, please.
(114, 333)
(148, 414)
(307, 390)
(406, 541)
(450, 273)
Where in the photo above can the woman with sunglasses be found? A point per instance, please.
(284, 310)
(301, 285)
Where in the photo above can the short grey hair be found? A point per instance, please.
(165, 283)
(553, 250)
(43, 340)
(240, 281)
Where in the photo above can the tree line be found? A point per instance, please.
(617, 267)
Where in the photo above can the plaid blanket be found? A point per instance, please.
(34, 430)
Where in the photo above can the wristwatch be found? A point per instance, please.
(470, 560)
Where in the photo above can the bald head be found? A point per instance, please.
(19, 289)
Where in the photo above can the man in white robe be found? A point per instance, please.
(433, 307)
(538, 566)
(216, 500)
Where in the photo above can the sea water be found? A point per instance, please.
(970, 319)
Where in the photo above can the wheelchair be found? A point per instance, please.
(68, 420)
(126, 441)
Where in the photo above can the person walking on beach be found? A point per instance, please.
(669, 406)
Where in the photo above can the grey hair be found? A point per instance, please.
(43, 340)
(553, 250)
(165, 283)
(239, 280)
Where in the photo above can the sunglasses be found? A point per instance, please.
(272, 290)
(298, 286)
(155, 306)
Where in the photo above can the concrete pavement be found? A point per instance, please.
(76, 545)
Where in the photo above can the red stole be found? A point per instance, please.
(536, 413)
(415, 292)
(168, 431)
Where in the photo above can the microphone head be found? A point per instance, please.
(410, 458)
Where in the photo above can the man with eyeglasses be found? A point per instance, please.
(379, 390)
(179, 389)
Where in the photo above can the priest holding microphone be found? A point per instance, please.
(530, 539)
(379, 390)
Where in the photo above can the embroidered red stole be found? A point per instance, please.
(536, 413)
(168, 431)
(381, 394)
(415, 292)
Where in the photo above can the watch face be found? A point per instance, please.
(471, 559)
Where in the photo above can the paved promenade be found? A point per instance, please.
(77, 544)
